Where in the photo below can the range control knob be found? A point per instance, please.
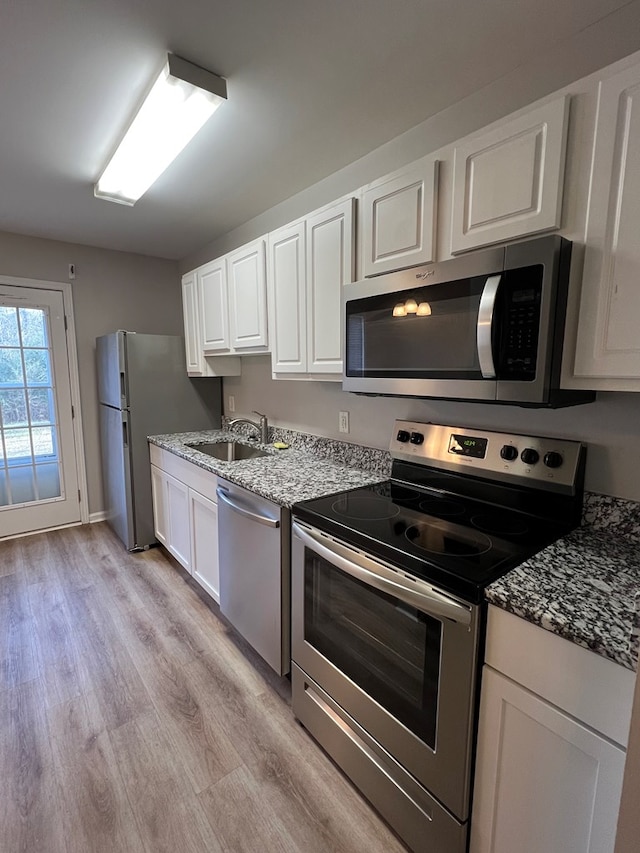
(416, 438)
(529, 456)
(552, 459)
(509, 452)
(403, 435)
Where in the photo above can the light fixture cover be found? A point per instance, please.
(180, 101)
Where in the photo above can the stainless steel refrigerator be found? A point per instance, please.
(143, 389)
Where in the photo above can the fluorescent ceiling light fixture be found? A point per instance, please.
(180, 101)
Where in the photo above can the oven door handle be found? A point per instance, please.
(420, 595)
(485, 326)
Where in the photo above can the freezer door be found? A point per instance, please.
(116, 473)
(110, 362)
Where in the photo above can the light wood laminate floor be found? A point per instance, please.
(133, 719)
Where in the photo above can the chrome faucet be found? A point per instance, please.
(262, 428)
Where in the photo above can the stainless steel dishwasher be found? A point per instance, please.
(254, 537)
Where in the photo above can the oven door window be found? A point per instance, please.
(389, 649)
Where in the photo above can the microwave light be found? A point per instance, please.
(411, 306)
(399, 310)
(424, 310)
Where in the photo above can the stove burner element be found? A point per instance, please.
(441, 507)
(365, 507)
(441, 540)
(500, 524)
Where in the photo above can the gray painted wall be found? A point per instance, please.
(112, 290)
(610, 426)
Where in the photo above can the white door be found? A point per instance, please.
(192, 334)
(38, 474)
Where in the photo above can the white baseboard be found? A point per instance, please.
(97, 516)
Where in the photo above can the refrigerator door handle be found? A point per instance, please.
(125, 430)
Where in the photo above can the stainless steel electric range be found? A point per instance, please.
(388, 614)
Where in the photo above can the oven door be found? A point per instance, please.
(397, 655)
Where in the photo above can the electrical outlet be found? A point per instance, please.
(343, 422)
(232, 403)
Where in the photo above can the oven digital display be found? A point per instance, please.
(467, 445)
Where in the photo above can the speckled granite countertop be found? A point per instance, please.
(312, 466)
(586, 586)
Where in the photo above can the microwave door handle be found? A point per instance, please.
(362, 568)
(485, 326)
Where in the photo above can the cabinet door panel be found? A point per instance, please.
(287, 290)
(212, 279)
(248, 297)
(192, 340)
(159, 496)
(608, 342)
(398, 219)
(204, 539)
(178, 530)
(330, 265)
(544, 782)
(508, 182)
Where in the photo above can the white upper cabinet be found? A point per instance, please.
(248, 298)
(198, 361)
(608, 341)
(398, 221)
(212, 281)
(330, 265)
(508, 180)
(192, 328)
(287, 305)
(309, 261)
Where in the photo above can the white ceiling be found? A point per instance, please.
(313, 85)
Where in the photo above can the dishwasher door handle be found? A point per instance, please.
(247, 513)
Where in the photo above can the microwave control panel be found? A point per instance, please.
(521, 324)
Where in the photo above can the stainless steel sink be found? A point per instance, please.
(229, 451)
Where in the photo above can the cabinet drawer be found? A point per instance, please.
(573, 678)
(188, 473)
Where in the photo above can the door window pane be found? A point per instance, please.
(13, 407)
(9, 326)
(29, 461)
(10, 367)
(41, 408)
(33, 327)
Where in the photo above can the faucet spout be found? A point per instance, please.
(262, 428)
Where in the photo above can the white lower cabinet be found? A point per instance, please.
(547, 780)
(204, 542)
(185, 513)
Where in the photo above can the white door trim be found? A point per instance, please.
(74, 377)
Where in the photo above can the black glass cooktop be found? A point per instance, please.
(450, 539)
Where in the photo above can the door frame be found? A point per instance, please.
(74, 377)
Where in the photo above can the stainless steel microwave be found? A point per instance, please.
(488, 326)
